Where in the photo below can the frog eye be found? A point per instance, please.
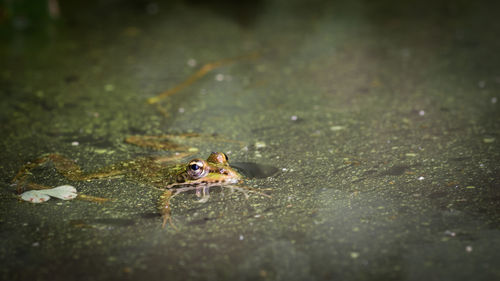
(197, 169)
(225, 155)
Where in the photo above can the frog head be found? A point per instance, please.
(213, 171)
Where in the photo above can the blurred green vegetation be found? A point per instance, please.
(20, 15)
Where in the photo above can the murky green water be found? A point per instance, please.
(382, 119)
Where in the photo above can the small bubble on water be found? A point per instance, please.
(219, 77)
(191, 62)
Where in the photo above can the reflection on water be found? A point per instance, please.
(254, 170)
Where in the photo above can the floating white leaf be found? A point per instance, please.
(64, 192)
(35, 196)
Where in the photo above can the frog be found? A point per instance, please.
(158, 172)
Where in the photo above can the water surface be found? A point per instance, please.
(382, 120)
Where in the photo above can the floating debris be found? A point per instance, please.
(35, 196)
(470, 187)
(64, 192)
(411, 154)
(219, 77)
(488, 140)
(450, 233)
(191, 62)
(337, 128)
(260, 144)
(109, 87)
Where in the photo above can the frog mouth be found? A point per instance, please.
(197, 184)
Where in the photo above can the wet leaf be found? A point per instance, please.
(64, 192)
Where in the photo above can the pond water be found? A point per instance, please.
(373, 126)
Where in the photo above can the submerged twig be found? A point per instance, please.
(93, 198)
(204, 70)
